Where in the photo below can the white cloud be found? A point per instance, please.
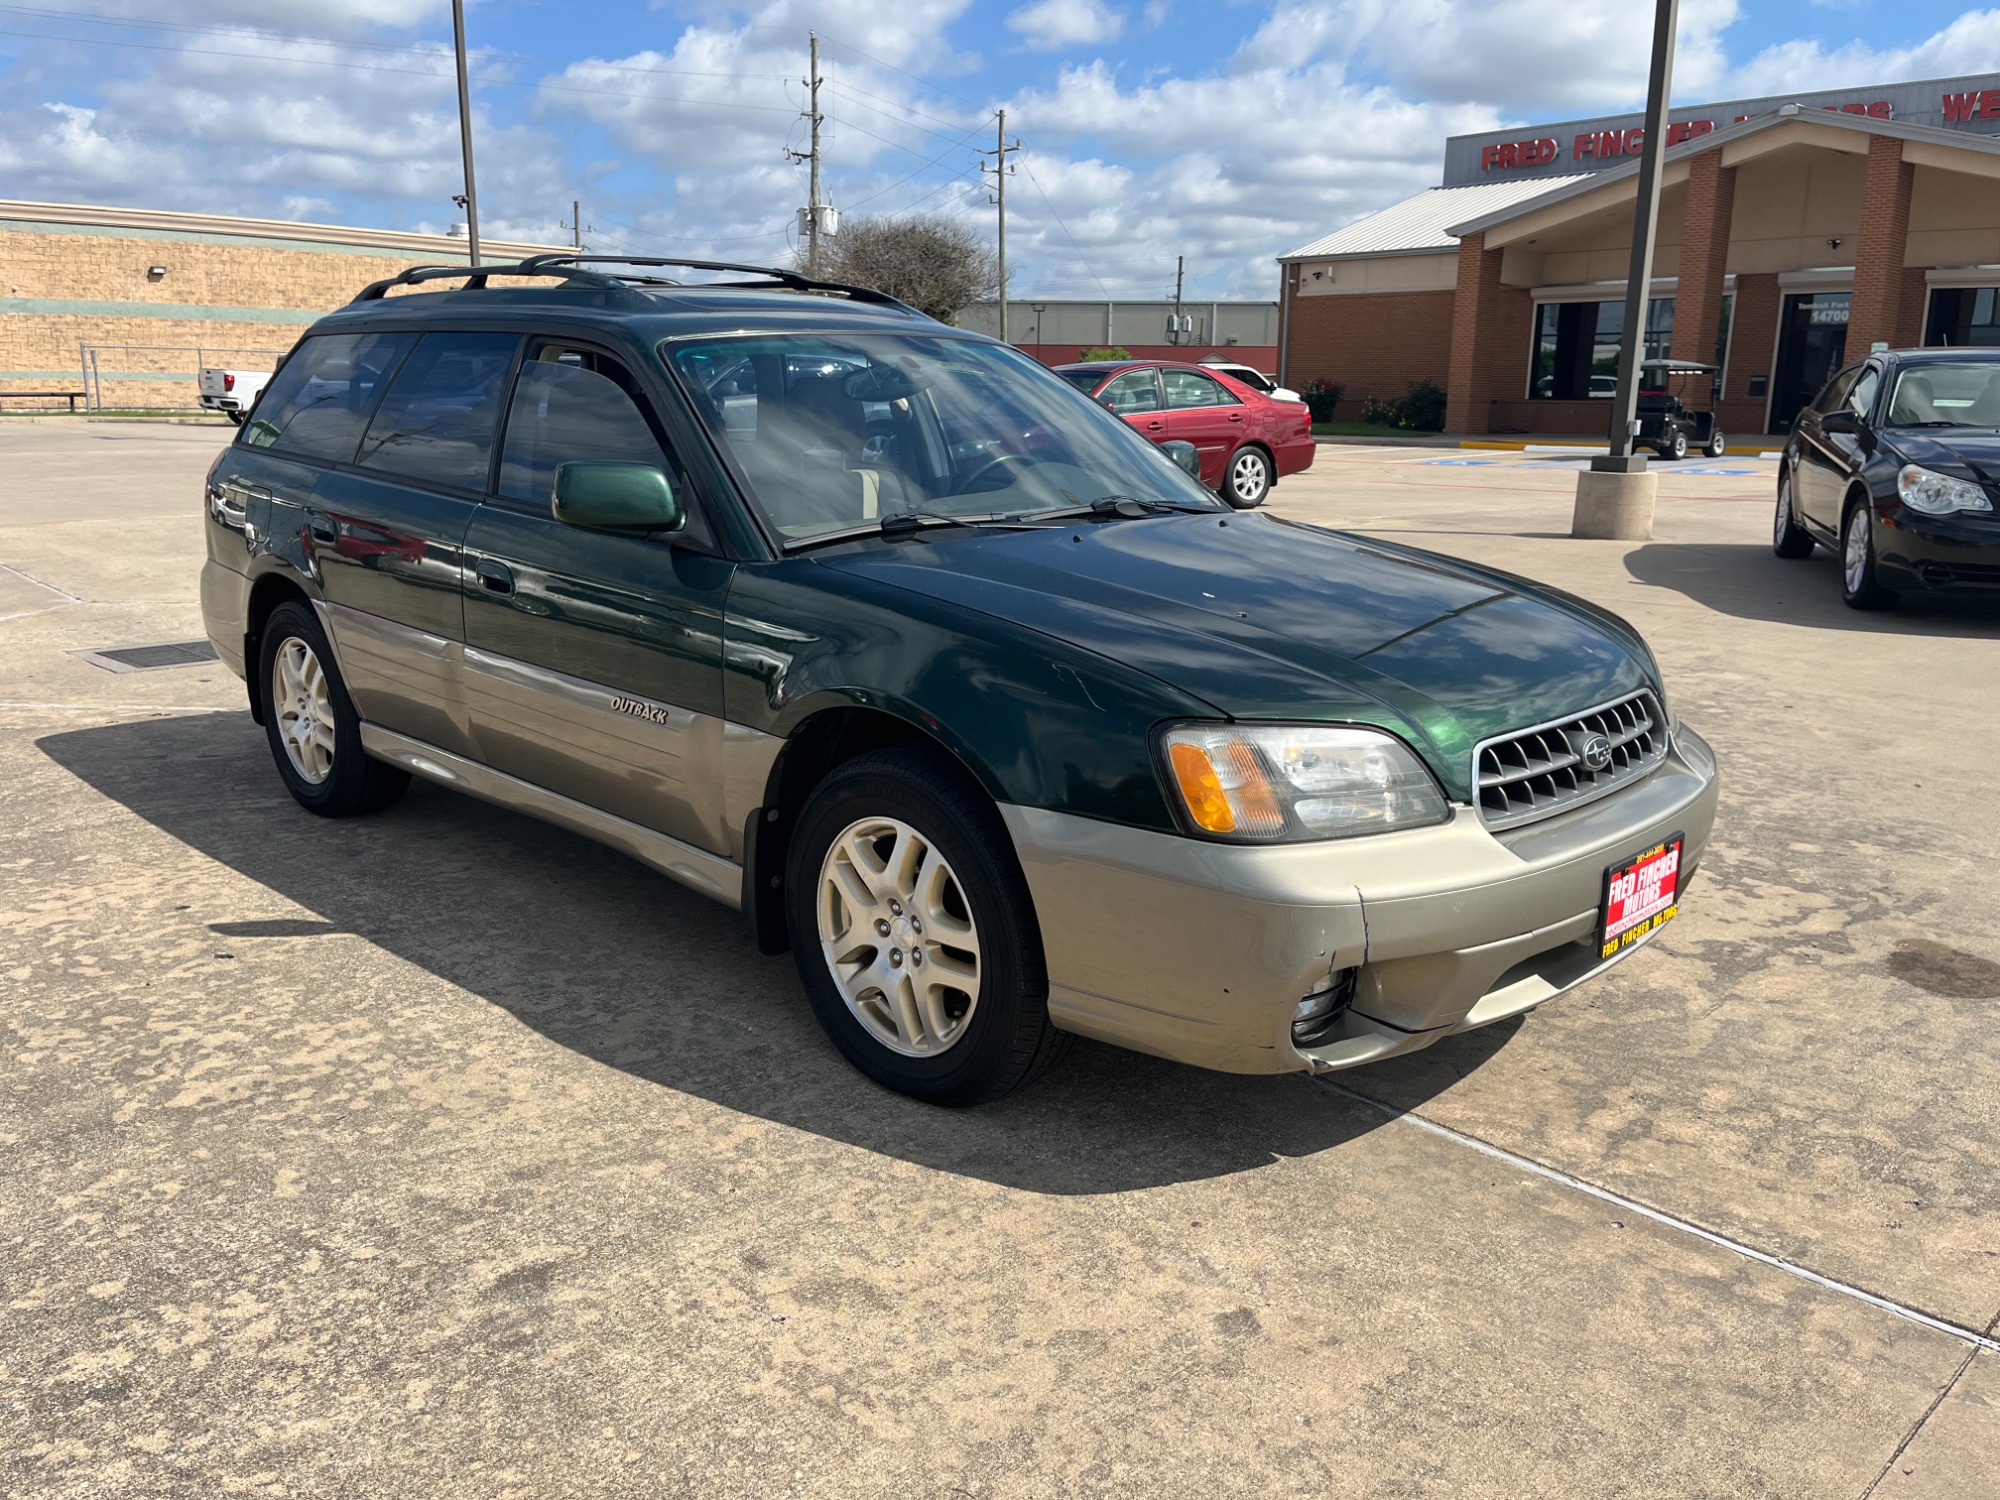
(1970, 44)
(1049, 25)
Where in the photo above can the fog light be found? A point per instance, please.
(1321, 1010)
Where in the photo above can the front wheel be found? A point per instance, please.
(914, 931)
(1788, 538)
(315, 733)
(1860, 585)
(1248, 480)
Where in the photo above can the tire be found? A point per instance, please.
(235, 418)
(1716, 445)
(1676, 445)
(1248, 478)
(314, 732)
(1860, 585)
(1788, 538)
(970, 1043)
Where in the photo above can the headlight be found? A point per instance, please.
(1288, 783)
(1938, 494)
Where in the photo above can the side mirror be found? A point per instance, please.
(616, 497)
(1183, 454)
(1840, 419)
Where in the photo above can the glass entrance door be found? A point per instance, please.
(1811, 347)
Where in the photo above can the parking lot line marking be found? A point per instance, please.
(132, 708)
(1660, 1216)
(31, 578)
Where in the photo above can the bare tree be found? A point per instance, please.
(939, 266)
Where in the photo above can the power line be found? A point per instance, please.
(1065, 229)
(914, 77)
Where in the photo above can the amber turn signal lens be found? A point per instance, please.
(1201, 789)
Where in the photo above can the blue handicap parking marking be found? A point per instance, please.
(1704, 469)
(1461, 463)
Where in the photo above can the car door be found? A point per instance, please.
(1202, 411)
(385, 532)
(1135, 396)
(1845, 452)
(593, 661)
(1816, 477)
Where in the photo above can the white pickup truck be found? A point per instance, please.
(231, 392)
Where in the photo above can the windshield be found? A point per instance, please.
(1959, 393)
(1083, 380)
(837, 431)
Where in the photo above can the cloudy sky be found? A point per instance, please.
(1225, 130)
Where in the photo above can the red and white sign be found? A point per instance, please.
(1641, 896)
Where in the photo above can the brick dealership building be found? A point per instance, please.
(1795, 233)
(129, 302)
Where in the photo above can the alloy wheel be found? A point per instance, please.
(898, 937)
(303, 703)
(1854, 551)
(1248, 476)
(1783, 521)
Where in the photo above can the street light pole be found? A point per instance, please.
(465, 130)
(1645, 230)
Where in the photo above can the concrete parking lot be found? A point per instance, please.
(445, 1154)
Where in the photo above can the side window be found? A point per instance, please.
(574, 405)
(1134, 391)
(318, 404)
(1835, 392)
(1862, 396)
(1187, 388)
(437, 422)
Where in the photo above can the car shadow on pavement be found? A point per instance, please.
(1748, 581)
(620, 965)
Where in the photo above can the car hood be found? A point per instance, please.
(1963, 452)
(1270, 619)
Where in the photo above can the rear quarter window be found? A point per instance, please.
(319, 404)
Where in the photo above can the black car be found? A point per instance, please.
(1896, 464)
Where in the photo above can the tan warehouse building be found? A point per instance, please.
(1794, 235)
(121, 306)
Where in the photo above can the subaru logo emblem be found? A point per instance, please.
(1595, 752)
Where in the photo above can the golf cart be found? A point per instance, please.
(1665, 423)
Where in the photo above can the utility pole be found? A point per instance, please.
(1180, 276)
(471, 198)
(810, 218)
(1001, 172)
(575, 225)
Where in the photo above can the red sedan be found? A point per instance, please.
(1246, 440)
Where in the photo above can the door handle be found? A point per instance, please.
(1236, 416)
(495, 577)
(1154, 426)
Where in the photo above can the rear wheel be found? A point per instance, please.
(315, 733)
(1248, 480)
(1676, 445)
(1716, 445)
(914, 931)
(1788, 538)
(1860, 585)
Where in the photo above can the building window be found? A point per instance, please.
(1964, 315)
(1576, 346)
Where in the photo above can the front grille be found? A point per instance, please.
(1535, 772)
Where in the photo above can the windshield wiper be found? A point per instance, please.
(1934, 422)
(904, 523)
(1128, 507)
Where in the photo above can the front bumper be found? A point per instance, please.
(1957, 553)
(1201, 952)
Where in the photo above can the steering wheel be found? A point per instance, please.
(988, 467)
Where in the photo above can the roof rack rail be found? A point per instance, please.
(576, 268)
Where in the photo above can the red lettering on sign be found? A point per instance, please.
(1959, 108)
(1989, 105)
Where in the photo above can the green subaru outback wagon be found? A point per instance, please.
(951, 682)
